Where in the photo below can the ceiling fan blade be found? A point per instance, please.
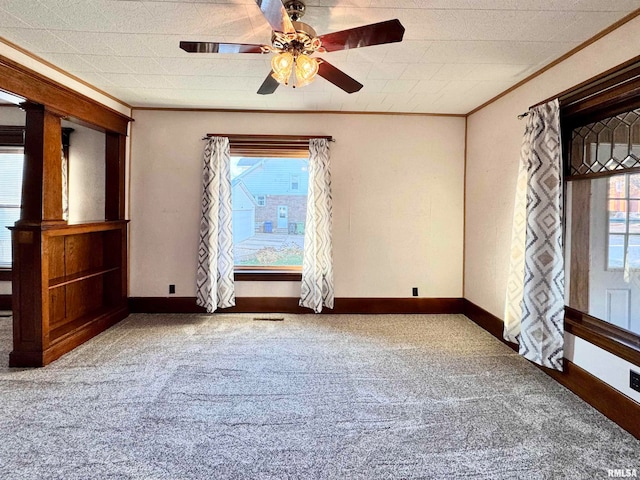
(213, 47)
(269, 85)
(375, 34)
(276, 15)
(338, 77)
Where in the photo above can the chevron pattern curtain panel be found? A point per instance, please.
(215, 287)
(534, 309)
(316, 289)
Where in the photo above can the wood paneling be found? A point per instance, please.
(84, 252)
(290, 305)
(615, 405)
(56, 253)
(57, 307)
(69, 282)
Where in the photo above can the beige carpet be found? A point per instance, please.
(327, 397)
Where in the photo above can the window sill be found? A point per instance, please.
(613, 339)
(262, 276)
(5, 275)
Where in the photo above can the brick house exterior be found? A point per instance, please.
(297, 211)
(279, 187)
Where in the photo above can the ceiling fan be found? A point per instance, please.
(293, 42)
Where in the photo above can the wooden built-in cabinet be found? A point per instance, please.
(82, 283)
(69, 282)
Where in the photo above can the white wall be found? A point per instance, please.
(12, 115)
(494, 137)
(397, 191)
(86, 173)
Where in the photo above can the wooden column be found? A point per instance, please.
(114, 204)
(29, 333)
(115, 176)
(41, 207)
(42, 183)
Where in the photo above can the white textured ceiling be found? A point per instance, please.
(456, 54)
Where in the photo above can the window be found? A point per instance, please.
(605, 214)
(268, 218)
(295, 183)
(623, 225)
(600, 123)
(11, 161)
(269, 182)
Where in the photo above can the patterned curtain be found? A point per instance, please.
(215, 253)
(534, 311)
(317, 266)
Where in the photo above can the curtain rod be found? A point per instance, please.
(559, 97)
(271, 138)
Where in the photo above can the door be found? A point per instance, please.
(283, 216)
(614, 296)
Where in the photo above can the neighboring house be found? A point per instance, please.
(244, 213)
(279, 189)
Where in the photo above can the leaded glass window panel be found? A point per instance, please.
(608, 145)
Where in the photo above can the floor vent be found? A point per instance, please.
(269, 319)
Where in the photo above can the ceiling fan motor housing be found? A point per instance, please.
(303, 41)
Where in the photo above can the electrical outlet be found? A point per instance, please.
(172, 288)
(415, 291)
(634, 381)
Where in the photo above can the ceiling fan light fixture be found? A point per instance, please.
(306, 70)
(282, 66)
